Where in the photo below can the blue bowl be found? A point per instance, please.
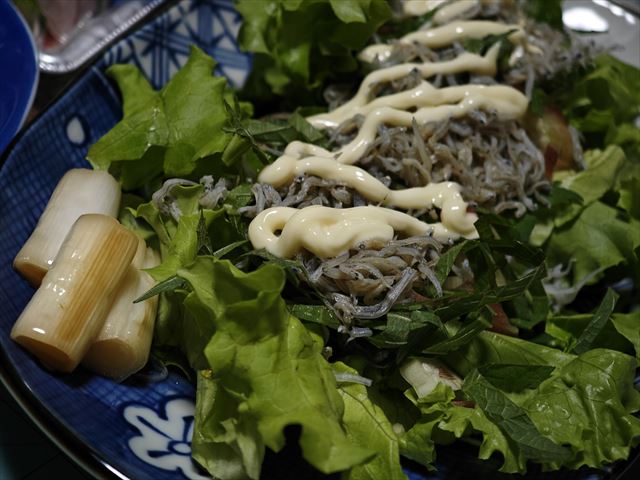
(19, 67)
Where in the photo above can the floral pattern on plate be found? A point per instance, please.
(165, 435)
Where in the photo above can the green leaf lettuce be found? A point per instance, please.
(164, 133)
(581, 414)
(267, 372)
(299, 44)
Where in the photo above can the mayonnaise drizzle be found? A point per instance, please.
(442, 36)
(417, 8)
(466, 62)
(328, 232)
(444, 195)
(448, 12)
(434, 105)
(300, 149)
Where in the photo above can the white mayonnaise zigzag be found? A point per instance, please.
(327, 232)
(443, 36)
(424, 104)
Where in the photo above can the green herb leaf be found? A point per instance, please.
(316, 314)
(281, 262)
(238, 129)
(305, 129)
(279, 132)
(221, 252)
(597, 323)
(513, 420)
(538, 101)
(448, 258)
(481, 45)
(463, 336)
(469, 303)
(169, 285)
(204, 242)
(531, 308)
(398, 27)
(515, 377)
(616, 334)
(239, 197)
(402, 329)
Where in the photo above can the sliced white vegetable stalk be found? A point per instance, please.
(424, 375)
(68, 311)
(79, 191)
(122, 346)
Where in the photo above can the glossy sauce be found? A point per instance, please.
(444, 195)
(467, 62)
(443, 36)
(328, 232)
(446, 13)
(417, 8)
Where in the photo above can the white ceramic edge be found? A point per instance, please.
(34, 49)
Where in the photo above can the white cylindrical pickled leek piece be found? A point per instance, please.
(68, 311)
(80, 191)
(424, 375)
(122, 346)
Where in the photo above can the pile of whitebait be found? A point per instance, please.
(434, 130)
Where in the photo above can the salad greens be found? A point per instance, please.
(265, 351)
(558, 423)
(172, 132)
(547, 11)
(604, 104)
(267, 372)
(367, 424)
(298, 44)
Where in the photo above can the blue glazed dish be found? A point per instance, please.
(19, 67)
(139, 429)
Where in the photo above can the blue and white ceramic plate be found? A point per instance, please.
(18, 72)
(139, 429)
